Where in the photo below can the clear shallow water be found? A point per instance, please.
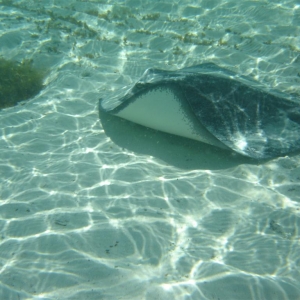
(99, 208)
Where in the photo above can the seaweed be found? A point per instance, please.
(18, 81)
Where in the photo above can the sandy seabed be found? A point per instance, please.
(95, 207)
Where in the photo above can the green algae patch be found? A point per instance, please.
(18, 82)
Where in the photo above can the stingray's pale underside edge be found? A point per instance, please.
(212, 105)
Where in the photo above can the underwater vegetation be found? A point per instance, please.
(18, 81)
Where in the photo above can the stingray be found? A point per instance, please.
(213, 105)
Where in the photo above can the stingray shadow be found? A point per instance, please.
(174, 150)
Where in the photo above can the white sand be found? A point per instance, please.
(130, 213)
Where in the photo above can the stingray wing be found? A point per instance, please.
(214, 105)
(244, 116)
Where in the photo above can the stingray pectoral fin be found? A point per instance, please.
(165, 109)
(212, 105)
